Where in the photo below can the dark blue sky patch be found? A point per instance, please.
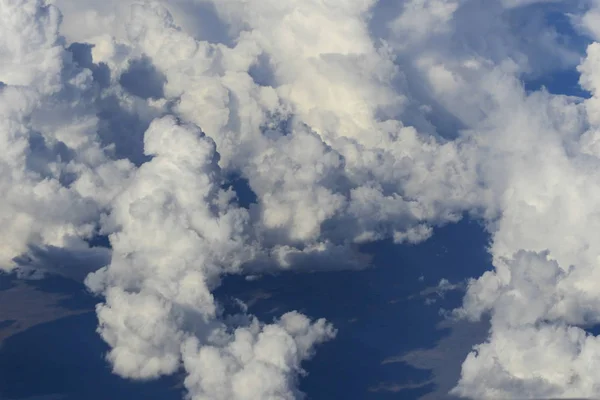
(262, 72)
(379, 312)
(565, 82)
(240, 185)
(142, 79)
(76, 297)
(82, 55)
(99, 241)
(65, 357)
(6, 323)
(123, 129)
(7, 280)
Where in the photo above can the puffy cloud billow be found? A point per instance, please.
(351, 121)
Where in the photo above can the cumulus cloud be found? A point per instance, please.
(176, 232)
(543, 252)
(128, 119)
(253, 362)
(57, 177)
(321, 145)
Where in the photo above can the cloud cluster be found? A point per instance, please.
(173, 229)
(176, 231)
(351, 122)
(56, 175)
(545, 257)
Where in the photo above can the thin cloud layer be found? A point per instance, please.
(351, 122)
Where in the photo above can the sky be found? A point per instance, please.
(152, 149)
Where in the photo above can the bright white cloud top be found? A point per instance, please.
(352, 121)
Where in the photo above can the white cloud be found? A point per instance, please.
(30, 56)
(344, 168)
(176, 233)
(343, 140)
(255, 362)
(56, 177)
(531, 362)
(544, 256)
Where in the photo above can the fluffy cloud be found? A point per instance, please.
(320, 143)
(254, 362)
(57, 178)
(130, 124)
(176, 232)
(543, 251)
